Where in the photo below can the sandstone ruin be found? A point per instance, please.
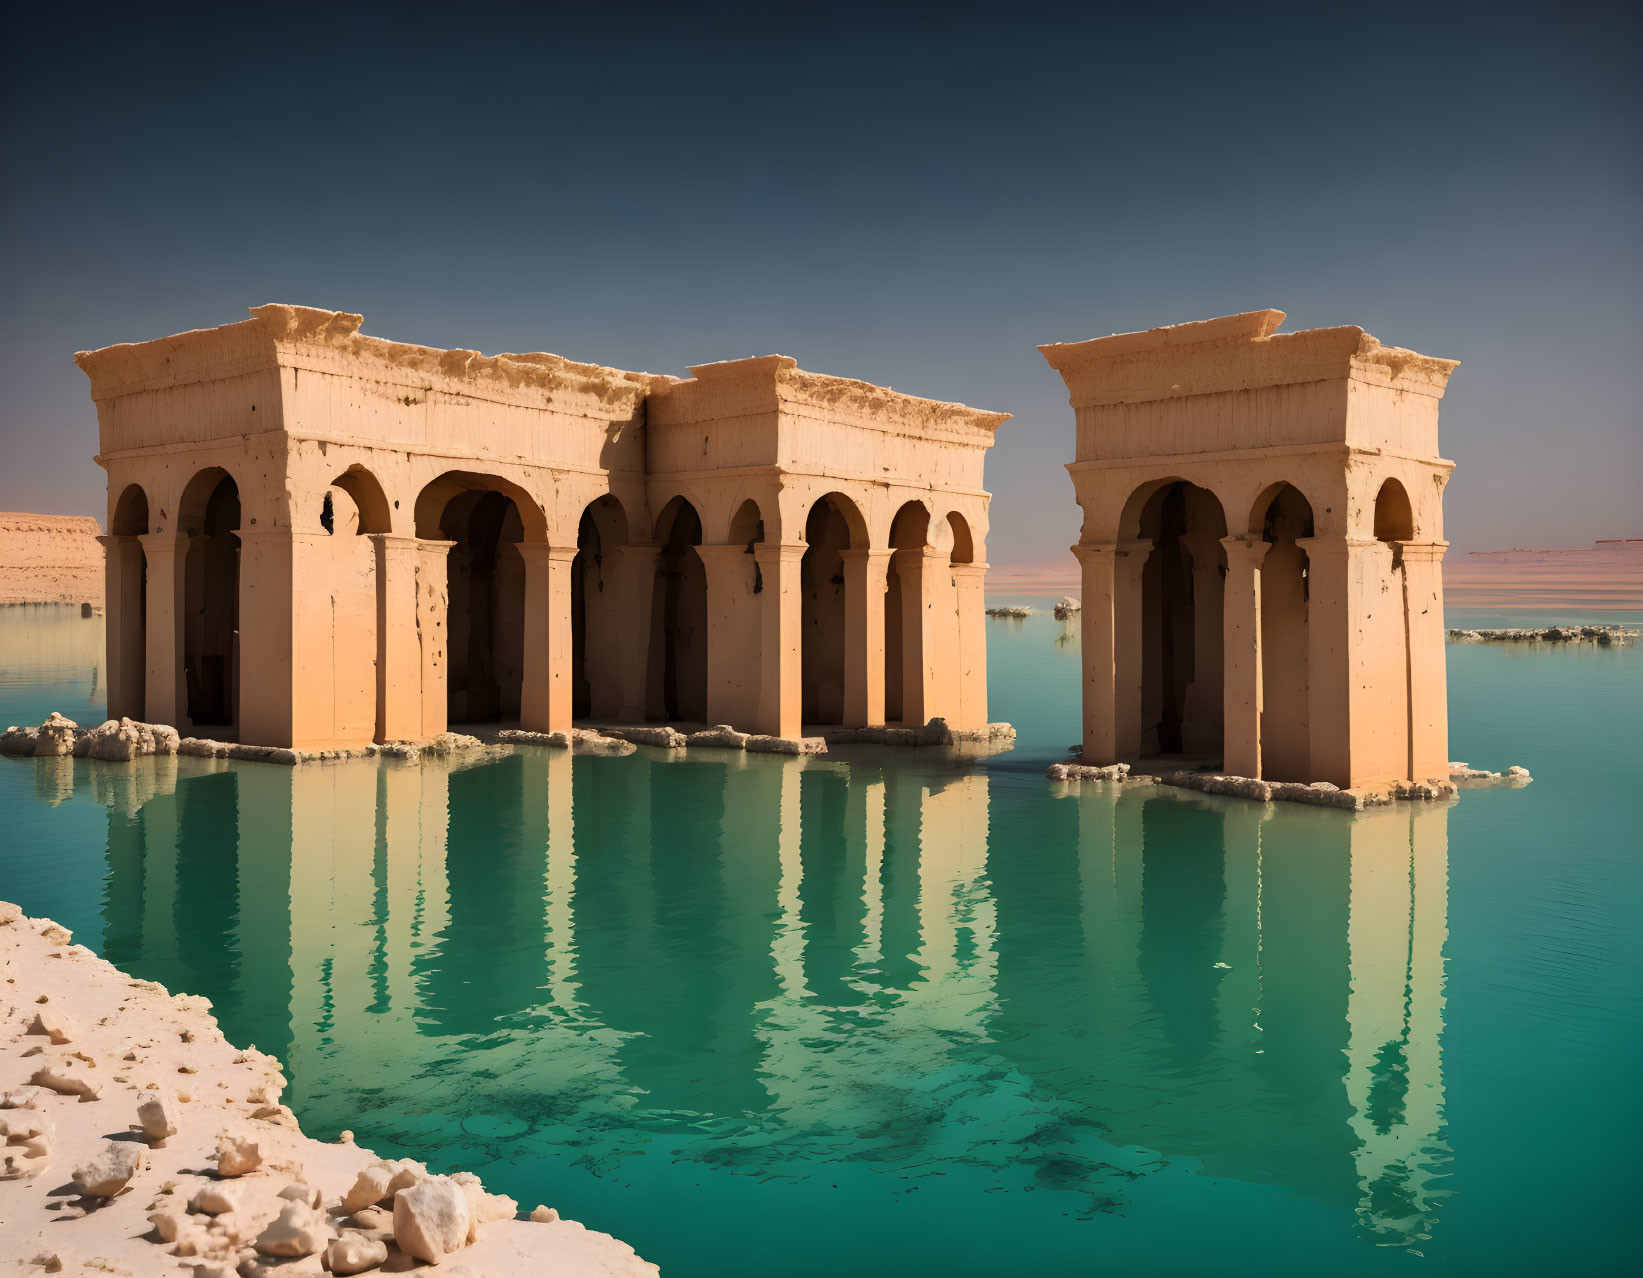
(319, 539)
(1261, 550)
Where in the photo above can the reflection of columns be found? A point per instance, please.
(399, 661)
(630, 573)
(433, 631)
(1428, 680)
(164, 698)
(545, 687)
(733, 632)
(1241, 652)
(781, 621)
(865, 572)
(123, 614)
(1098, 564)
(969, 582)
(1127, 644)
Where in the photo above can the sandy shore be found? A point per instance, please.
(50, 559)
(83, 1045)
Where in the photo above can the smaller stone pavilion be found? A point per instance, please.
(1261, 550)
(319, 539)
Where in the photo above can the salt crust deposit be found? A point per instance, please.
(1603, 636)
(145, 1143)
(1319, 794)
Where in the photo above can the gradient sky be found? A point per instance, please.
(916, 196)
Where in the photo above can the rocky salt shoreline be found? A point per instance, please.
(135, 1139)
(1318, 794)
(1602, 636)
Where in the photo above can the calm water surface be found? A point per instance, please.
(893, 1013)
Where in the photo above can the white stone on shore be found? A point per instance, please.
(156, 1119)
(56, 736)
(483, 1207)
(301, 1192)
(298, 1230)
(214, 1200)
(431, 1219)
(354, 1254)
(544, 1215)
(67, 1077)
(237, 1155)
(370, 1187)
(111, 1170)
(1066, 606)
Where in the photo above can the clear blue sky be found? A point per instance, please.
(917, 196)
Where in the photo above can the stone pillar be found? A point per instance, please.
(545, 686)
(970, 585)
(273, 614)
(865, 572)
(1098, 645)
(733, 633)
(940, 636)
(165, 695)
(1241, 654)
(125, 670)
(1341, 575)
(399, 655)
(433, 588)
(910, 569)
(631, 573)
(781, 620)
(1428, 677)
(1127, 645)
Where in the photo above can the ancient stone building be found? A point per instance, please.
(1261, 549)
(320, 539)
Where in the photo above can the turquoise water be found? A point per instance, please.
(888, 1013)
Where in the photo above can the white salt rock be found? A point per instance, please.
(214, 1200)
(156, 1119)
(111, 1170)
(298, 1230)
(237, 1155)
(370, 1187)
(69, 1078)
(431, 1219)
(167, 1224)
(297, 1192)
(354, 1254)
(22, 1098)
(404, 1173)
(482, 1207)
(544, 1215)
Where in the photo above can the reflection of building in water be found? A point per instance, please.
(777, 961)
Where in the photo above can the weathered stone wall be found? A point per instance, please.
(50, 559)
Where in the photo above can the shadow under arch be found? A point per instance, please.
(208, 514)
(676, 671)
(486, 517)
(833, 526)
(904, 617)
(1394, 516)
(1282, 516)
(126, 584)
(595, 615)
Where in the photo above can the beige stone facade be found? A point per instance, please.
(1261, 550)
(319, 539)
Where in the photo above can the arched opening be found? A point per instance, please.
(209, 515)
(595, 619)
(370, 502)
(1182, 597)
(676, 675)
(963, 551)
(485, 595)
(903, 628)
(827, 532)
(1284, 517)
(127, 585)
(1394, 520)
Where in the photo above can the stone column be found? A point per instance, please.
(909, 565)
(1098, 646)
(781, 620)
(545, 685)
(631, 573)
(125, 670)
(433, 588)
(1341, 706)
(272, 615)
(399, 655)
(1127, 644)
(1428, 677)
(970, 585)
(165, 694)
(733, 632)
(865, 573)
(940, 636)
(1241, 654)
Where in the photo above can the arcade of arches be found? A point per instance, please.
(320, 539)
(1261, 551)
